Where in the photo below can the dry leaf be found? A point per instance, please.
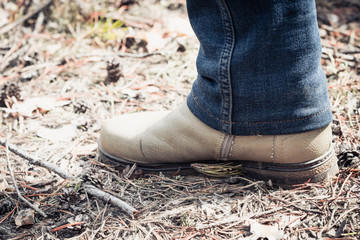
(290, 221)
(84, 149)
(3, 183)
(63, 134)
(43, 104)
(265, 231)
(4, 19)
(155, 39)
(180, 26)
(25, 217)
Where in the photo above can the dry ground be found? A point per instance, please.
(73, 64)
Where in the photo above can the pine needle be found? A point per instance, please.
(227, 169)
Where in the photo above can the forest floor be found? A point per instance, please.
(67, 66)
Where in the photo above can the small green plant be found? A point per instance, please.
(77, 186)
(185, 220)
(107, 29)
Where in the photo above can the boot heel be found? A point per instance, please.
(315, 170)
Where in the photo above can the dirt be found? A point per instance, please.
(74, 64)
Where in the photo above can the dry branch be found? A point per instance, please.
(92, 190)
(11, 212)
(16, 187)
(50, 166)
(10, 26)
(109, 198)
(111, 55)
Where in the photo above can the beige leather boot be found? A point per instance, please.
(169, 141)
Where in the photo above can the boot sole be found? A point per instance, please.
(316, 170)
(286, 174)
(166, 168)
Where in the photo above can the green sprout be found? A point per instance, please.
(106, 29)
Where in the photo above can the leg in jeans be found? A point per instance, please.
(260, 98)
(259, 67)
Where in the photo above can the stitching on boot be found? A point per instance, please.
(231, 147)
(273, 150)
(227, 147)
(222, 148)
(219, 147)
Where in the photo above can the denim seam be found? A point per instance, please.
(259, 123)
(224, 69)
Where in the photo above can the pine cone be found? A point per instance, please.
(80, 106)
(8, 91)
(113, 70)
(93, 176)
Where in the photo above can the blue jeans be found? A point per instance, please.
(258, 67)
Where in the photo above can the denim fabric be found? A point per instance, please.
(258, 67)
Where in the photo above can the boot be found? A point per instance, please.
(172, 141)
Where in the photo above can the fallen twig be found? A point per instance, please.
(92, 190)
(109, 198)
(50, 166)
(42, 183)
(297, 207)
(130, 55)
(65, 226)
(16, 187)
(341, 217)
(6, 59)
(139, 55)
(10, 26)
(274, 210)
(11, 212)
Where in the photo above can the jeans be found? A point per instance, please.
(258, 67)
